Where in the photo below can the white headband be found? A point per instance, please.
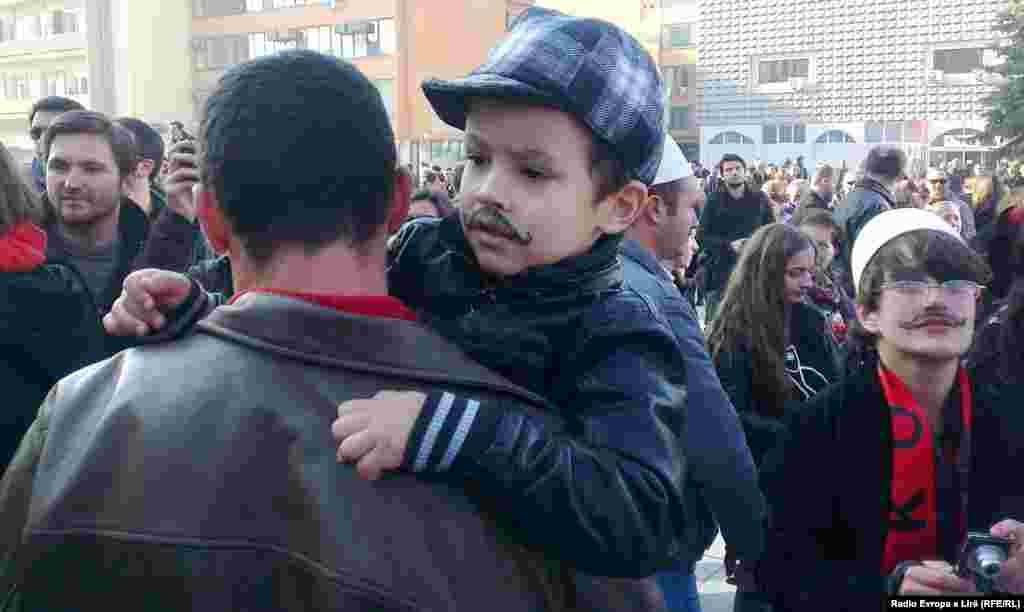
(674, 165)
(887, 226)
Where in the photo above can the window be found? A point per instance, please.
(367, 38)
(957, 61)
(679, 35)
(785, 133)
(7, 28)
(679, 118)
(873, 132)
(731, 138)
(781, 71)
(219, 8)
(834, 137)
(222, 51)
(386, 87)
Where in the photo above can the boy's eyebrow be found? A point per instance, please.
(525, 154)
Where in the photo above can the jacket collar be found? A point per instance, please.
(595, 271)
(280, 325)
(872, 185)
(643, 257)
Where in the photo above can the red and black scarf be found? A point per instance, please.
(914, 525)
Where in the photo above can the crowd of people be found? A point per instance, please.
(269, 367)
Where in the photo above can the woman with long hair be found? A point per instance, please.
(48, 324)
(988, 192)
(769, 346)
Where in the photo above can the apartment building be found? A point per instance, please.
(396, 43)
(828, 79)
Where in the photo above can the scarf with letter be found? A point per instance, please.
(913, 530)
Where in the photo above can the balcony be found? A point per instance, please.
(54, 45)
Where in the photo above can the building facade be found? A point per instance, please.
(120, 57)
(829, 79)
(397, 43)
(677, 60)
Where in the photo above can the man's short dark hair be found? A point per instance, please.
(54, 104)
(886, 162)
(669, 193)
(731, 157)
(121, 141)
(824, 171)
(298, 148)
(439, 200)
(148, 141)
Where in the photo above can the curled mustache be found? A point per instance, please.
(489, 219)
(935, 318)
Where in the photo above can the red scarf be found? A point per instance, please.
(23, 248)
(365, 305)
(913, 532)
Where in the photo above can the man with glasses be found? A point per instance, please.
(925, 438)
(949, 188)
(42, 115)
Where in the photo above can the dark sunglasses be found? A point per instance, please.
(937, 181)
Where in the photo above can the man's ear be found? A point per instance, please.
(401, 202)
(868, 319)
(211, 220)
(621, 209)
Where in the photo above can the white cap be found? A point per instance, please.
(674, 165)
(887, 226)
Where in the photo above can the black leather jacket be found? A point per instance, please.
(608, 497)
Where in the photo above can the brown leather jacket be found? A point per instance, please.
(201, 474)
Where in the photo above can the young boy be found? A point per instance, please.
(564, 132)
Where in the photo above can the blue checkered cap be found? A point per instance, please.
(587, 67)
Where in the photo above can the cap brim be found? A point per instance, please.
(450, 98)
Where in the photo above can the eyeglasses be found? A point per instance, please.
(937, 181)
(951, 289)
(36, 133)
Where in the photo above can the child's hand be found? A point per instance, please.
(374, 432)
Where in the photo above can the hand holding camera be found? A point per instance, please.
(182, 176)
(982, 560)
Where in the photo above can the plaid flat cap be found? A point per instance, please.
(586, 67)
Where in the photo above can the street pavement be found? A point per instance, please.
(715, 593)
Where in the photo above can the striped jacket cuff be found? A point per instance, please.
(441, 431)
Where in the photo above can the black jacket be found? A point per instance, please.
(721, 479)
(867, 200)
(829, 492)
(48, 328)
(608, 497)
(811, 200)
(202, 475)
(812, 363)
(132, 230)
(724, 221)
(574, 334)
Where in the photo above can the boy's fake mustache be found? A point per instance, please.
(491, 220)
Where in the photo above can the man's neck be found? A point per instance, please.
(143, 198)
(737, 192)
(335, 270)
(930, 382)
(644, 238)
(91, 236)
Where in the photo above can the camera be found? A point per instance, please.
(982, 558)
